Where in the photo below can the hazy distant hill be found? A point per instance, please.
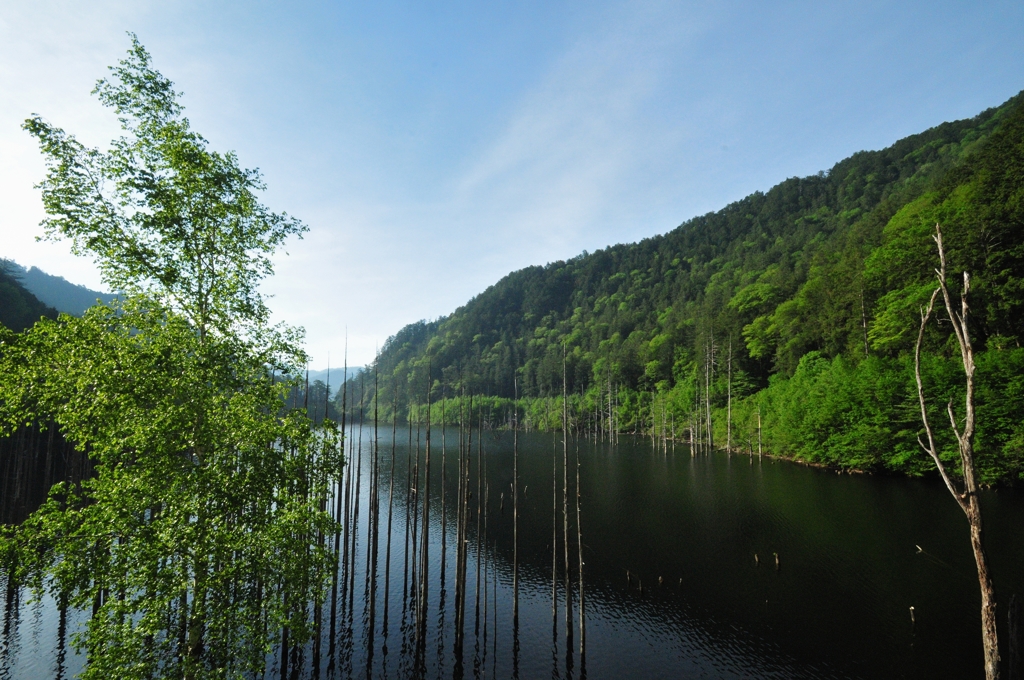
(336, 375)
(56, 291)
(19, 308)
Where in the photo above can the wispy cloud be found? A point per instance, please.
(51, 54)
(561, 160)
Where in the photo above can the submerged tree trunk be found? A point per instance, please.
(479, 512)
(391, 500)
(515, 507)
(565, 503)
(579, 557)
(444, 480)
(421, 622)
(332, 641)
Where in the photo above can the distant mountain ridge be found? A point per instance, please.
(19, 308)
(56, 291)
(335, 374)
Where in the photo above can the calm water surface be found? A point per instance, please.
(696, 604)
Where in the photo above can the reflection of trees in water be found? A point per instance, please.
(32, 460)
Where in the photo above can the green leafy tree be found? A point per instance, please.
(193, 545)
(161, 213)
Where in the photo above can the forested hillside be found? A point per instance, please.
(60, 293)
(801, 302)
(19, 308)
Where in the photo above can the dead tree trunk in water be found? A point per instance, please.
(408, 509)
(967, 496)
(565, 500)
(759, 454)
(611, 411)
(459, 495)
(444, 479)
(391, 500)
(479, 511)
(348, 493)
(421, 621)
(708, 361)
(337, 532)
(355, 502)
(373, 531)
(554, 534)
(515, 506)
(579, 555)
(1013, 630)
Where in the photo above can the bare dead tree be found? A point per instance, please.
(515, 507)
(579, 556)
(444, 479)
(421, 620)
(565, 502)
(709, 377)
(728, 423)
(479, 512)
(967, 496)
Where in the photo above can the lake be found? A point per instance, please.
(672, 587)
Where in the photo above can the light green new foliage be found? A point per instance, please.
(160, 212)
(194, 543)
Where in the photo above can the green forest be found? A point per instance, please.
(797, 308)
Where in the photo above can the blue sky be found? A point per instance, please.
(433, 148)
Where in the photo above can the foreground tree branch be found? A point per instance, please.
(966, 496)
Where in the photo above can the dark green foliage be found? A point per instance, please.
(817, 283)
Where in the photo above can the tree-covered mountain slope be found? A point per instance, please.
(818, 271)
(58, 292)
(19, 308)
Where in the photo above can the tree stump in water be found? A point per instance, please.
(1013, 616)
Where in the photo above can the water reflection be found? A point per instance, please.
(681, 578)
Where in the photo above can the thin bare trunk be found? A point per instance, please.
(759, 433)
(728, 426)
(479, 512)
(554, 535)
(338, 518)
(355, 504)
(565, 501)
(391, 500)
(421, 621)
(515, 506)
(967, 497)
(579, 556)
(444, 478)
(864, 322)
